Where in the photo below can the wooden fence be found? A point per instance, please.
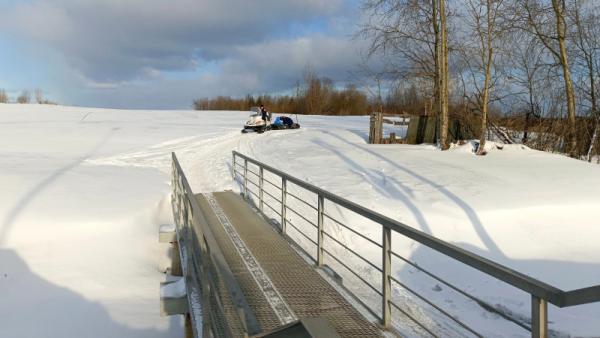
(376, 122)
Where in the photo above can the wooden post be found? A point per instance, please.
(372, 123)
(377, 127)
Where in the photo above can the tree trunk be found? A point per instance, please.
(528, 115)
(437, 64)
(589, 53)
(559, 11)
(595, 113)
(489, 51)
(526, 128)
(594, 110)
(593, 141)
(444, 77)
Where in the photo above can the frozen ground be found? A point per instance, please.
(84, 192)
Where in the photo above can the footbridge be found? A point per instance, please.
(280, 260)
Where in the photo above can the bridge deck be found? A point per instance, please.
(279, 285)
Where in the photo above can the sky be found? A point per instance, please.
(163, 54)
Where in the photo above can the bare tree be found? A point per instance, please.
(587, 43)
(444, 75)
(372, 81)
(39, 96)
(25, 97)
(485, 20)
(413, 37)
(317, 91)
(3, 96)
(527, 70)
(402, 32)
(547, 20)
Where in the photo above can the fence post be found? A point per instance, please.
(260, 188)
(372, 128)
(283, 204)
(539, 317)
(321, 206)
(246, 178)
(386, 272)
(379, 127)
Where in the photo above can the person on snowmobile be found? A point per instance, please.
(264, 114)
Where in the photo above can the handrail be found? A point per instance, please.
(581, 296)
(540, 291)
(210, 259)
(517, 279)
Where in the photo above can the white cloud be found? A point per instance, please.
(124, 51)
(111, 40)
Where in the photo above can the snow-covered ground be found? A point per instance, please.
(85, 190)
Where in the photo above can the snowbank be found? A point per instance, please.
(79, 251)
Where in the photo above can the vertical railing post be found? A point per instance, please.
(233, 167)
(283, 204)
(260, 188)
(206, 290)
(539, 317)
(320, 207)
(386, 264)
(180, 200)
(246, 178)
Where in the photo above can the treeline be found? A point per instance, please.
(318, 96)
(25, 97)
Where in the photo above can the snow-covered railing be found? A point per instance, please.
(205, 269)
(541, 293)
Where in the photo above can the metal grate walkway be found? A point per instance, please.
(278, 284)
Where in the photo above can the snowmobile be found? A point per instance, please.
(256, 123)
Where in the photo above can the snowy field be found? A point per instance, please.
(84, 191)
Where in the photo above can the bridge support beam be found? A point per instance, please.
(173, 298)
(175, 260)
(166, 233)
(188, 330)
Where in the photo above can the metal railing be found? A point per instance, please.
(208, 277)
(540, 292)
